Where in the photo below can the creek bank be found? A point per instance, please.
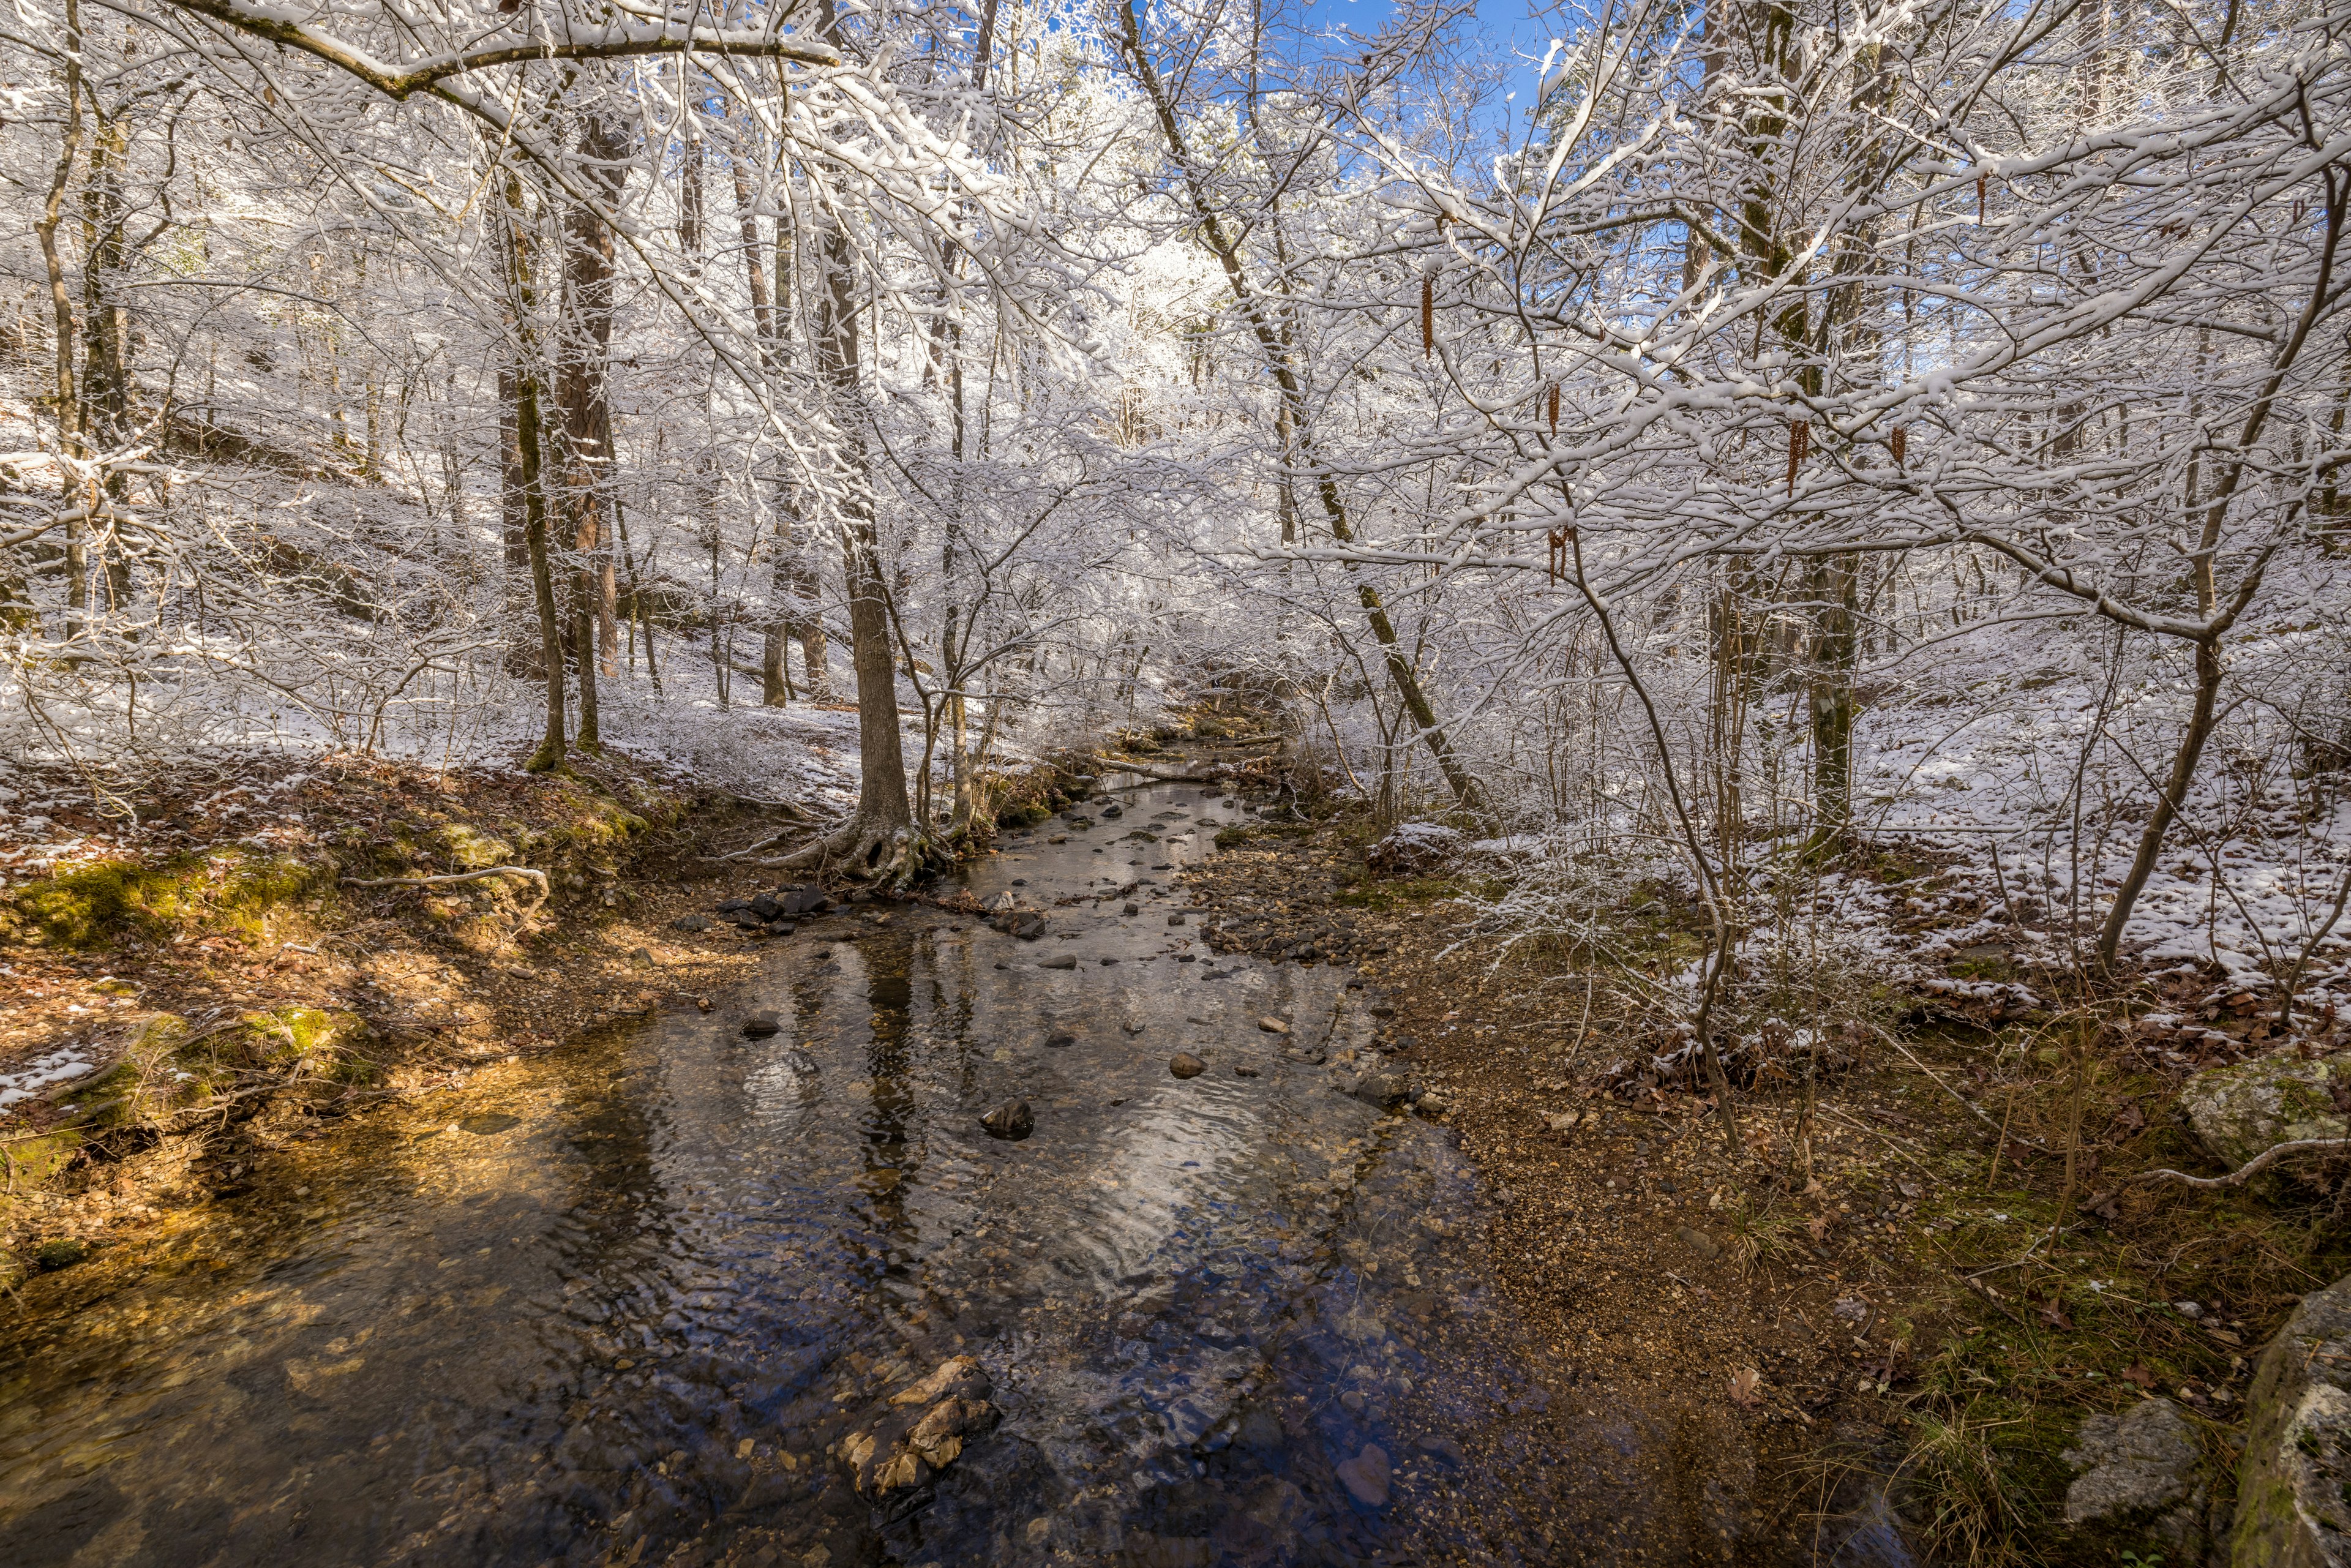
(220, 984)
(1860, 1284)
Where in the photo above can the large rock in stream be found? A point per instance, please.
(2238, 1112)
(2292, 1511)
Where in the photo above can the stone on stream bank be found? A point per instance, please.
(2238, 1112)
(2292, 1510)
(1184, 1064)
(2139, 1470)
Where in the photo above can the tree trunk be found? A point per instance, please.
(66, 400)
(2209, 671)
(882, 792)
(1834, 646)
(581, 389)
(513, 236)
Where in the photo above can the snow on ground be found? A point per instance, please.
(42, 1073)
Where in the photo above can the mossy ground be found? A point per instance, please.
(233, 890)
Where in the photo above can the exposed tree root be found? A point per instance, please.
(769, 842)
(522, 871)
(884, 854)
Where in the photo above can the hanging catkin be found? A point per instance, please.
(1554, 408)
(1427, 318)
(1800, 440)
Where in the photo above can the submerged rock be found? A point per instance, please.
(1184, 1064)
(2291, 1503)
(1012, 1121)
(1028, 925)
(691, 922)
(2238, 1112)
(759, 1026)
(927, 1430)
(1366, 1476)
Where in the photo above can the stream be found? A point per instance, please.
(632, 1301)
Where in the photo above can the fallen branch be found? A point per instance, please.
(538, 877)
(768, 842)
(2251, 1167)
(1160, 775)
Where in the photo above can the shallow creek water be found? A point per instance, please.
(623, 1303)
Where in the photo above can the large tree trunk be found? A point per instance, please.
(881, 793)
(521, 299)
(581, 396)
(880, 838)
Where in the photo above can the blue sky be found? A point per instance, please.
(1501, 27)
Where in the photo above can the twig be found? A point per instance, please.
(1973, 1110)
(538, 877)
(1888, 1141)
(2251, 1167)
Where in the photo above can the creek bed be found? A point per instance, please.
(629, 1301)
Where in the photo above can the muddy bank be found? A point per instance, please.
(216, 984)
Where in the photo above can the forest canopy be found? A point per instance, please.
(1740, 436)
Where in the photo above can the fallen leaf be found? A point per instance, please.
(2102, 1205)
(2052, 1313)
(1744, 1383)
(2139, 1375)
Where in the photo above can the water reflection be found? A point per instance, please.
(625, 1304)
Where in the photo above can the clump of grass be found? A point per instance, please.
(1974, 1484)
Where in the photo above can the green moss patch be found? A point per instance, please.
(231, 891)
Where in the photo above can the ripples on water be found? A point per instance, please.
(616, 1304)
